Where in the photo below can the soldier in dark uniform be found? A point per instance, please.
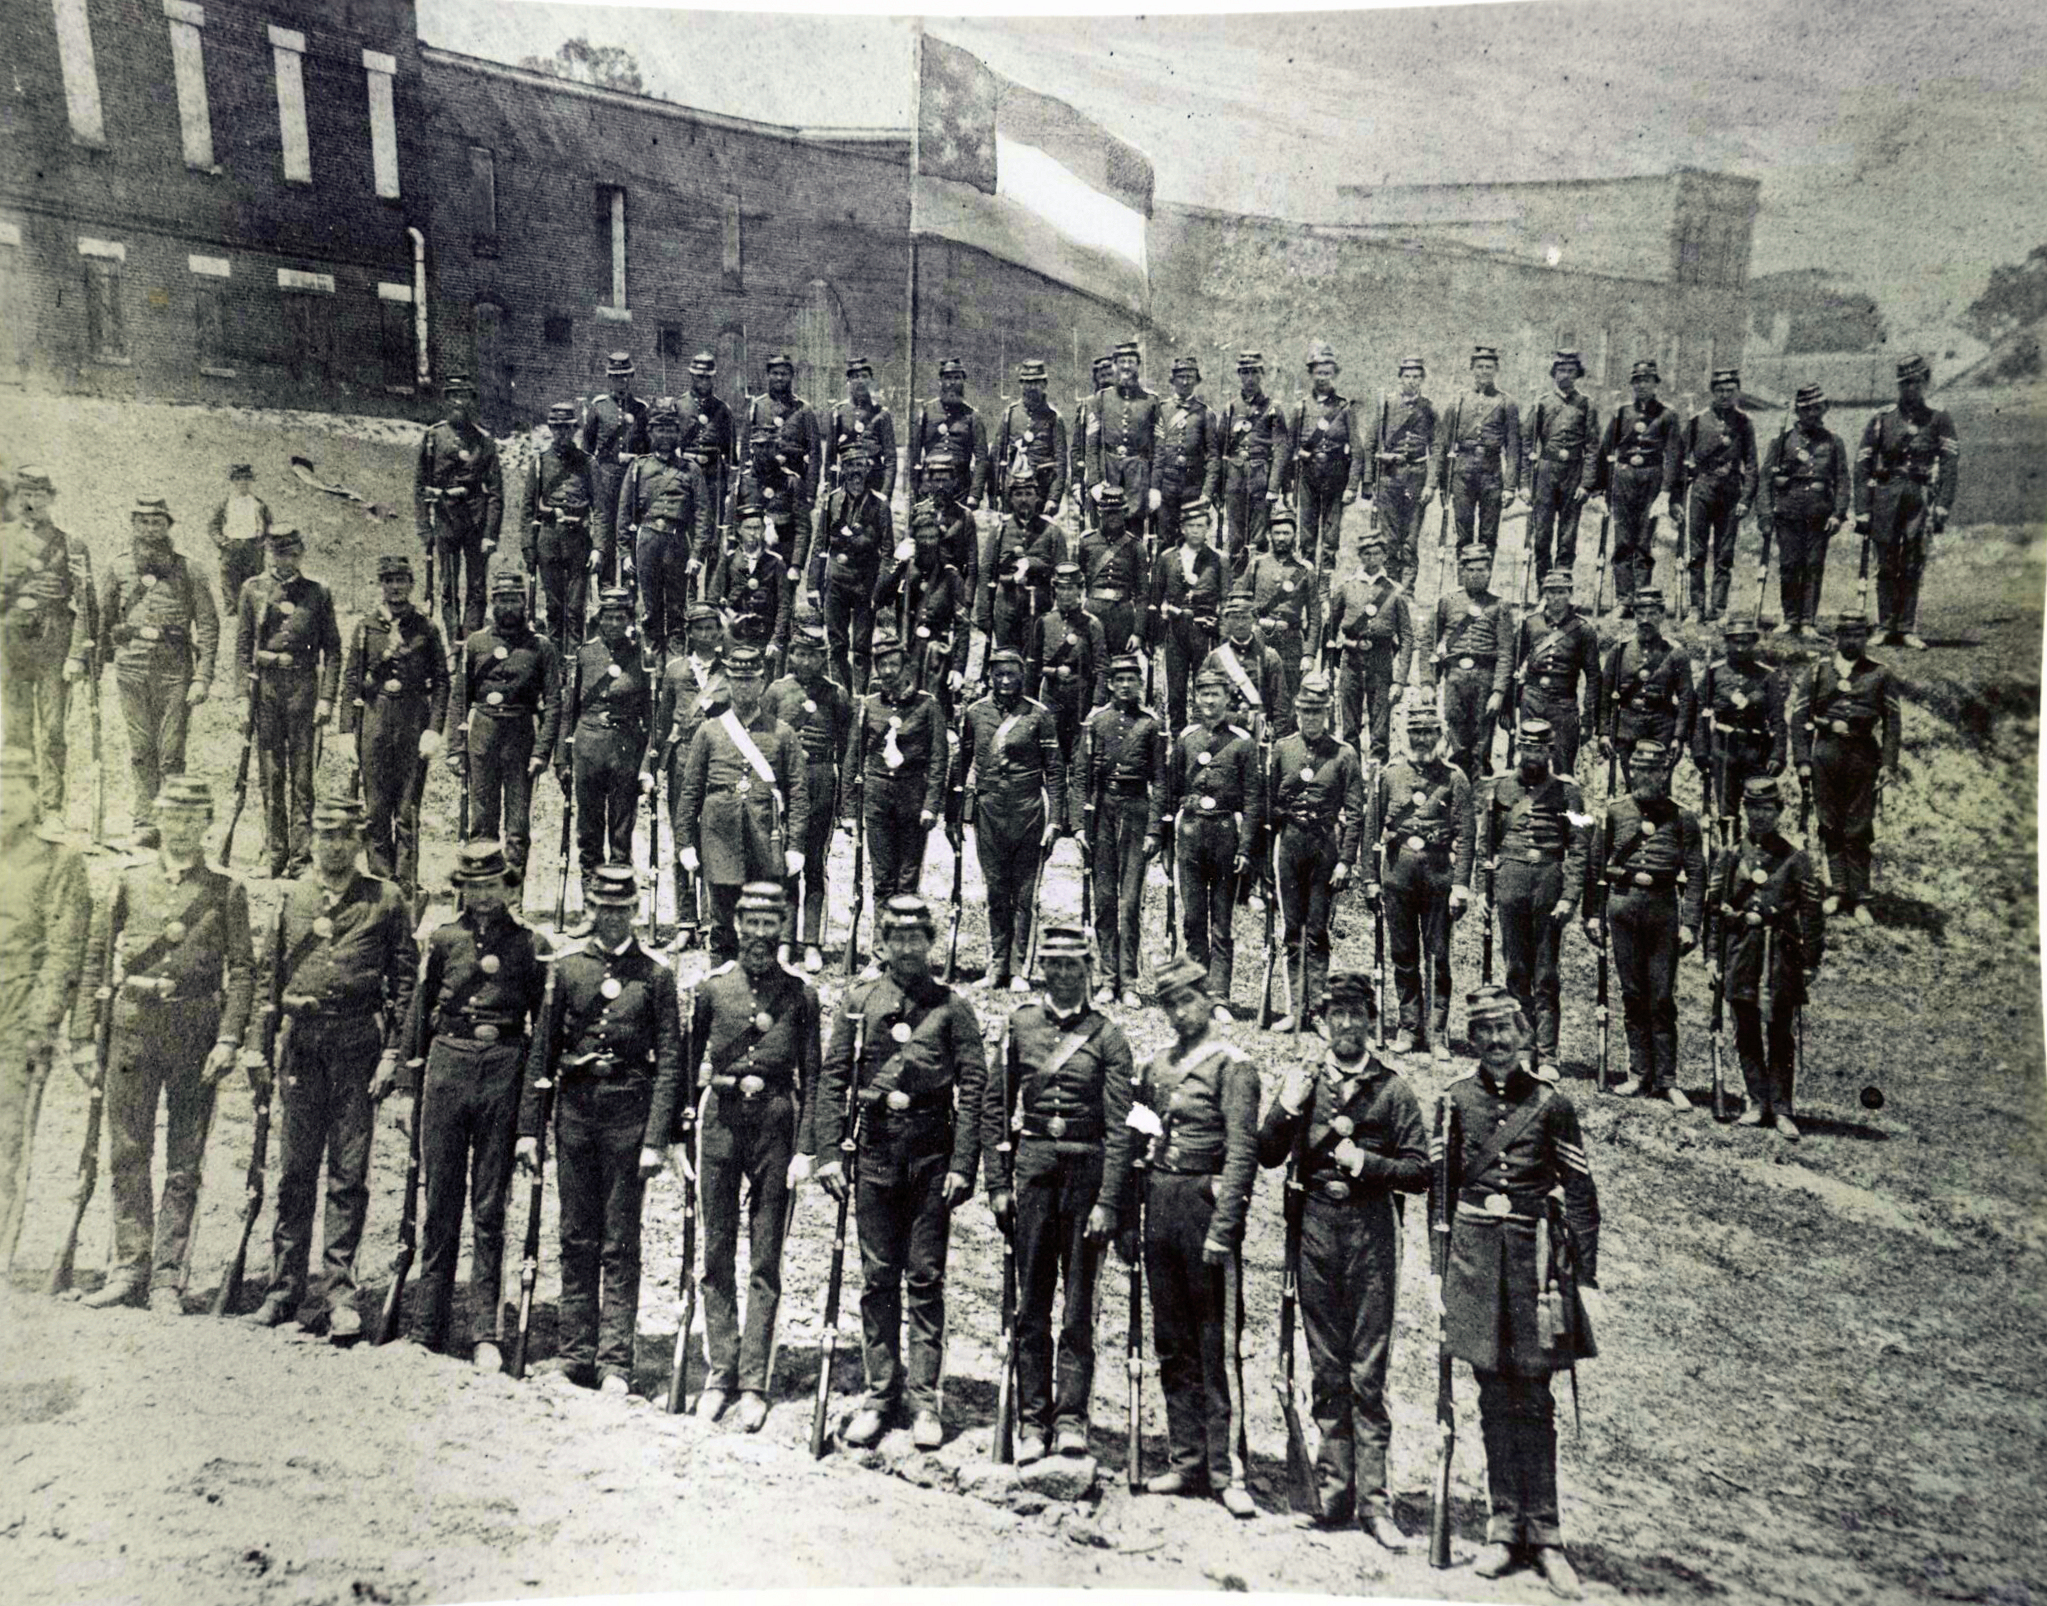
(1739, 730)
(707, 433)
(750, 584)
(842, 563)
(1638, 462)
(1648, 682)
(1328, 465)
(1905, 475)
(43, 924)
(1478, 453)
(927, 600)
(1129, 451)
(159, 619)
(1087, 425)
(288, 646)
(1009, 767)
(946, 421)
(1802, 500)
(1258, 465)
(1286, 598)
(858, 424)
(458, 495)
(1645, 883)
(1016, 573)
(607, 1037)
(918, 1080)
(1371, 625)
(784, 450)
(1314, 799)
(1198, 1103)
(818, 710)
(1552, 651)
(1031, 435)
(1113, 563)
(1122, 771)
(744, 1102)
(1210, 802)
(1401, 478)
(664, 510)
(1845, 731)
(1531, 830)
(561, 489)
(479, 992)
(743, 799)
(1190, 462)
(1716, 482)
(237, 526)
(1418, 831)
(1519, 1144)
(899, 761)
(46, 633)
(1183, 613)
(614, 433)
(692, 689)
(603, 759)
(1069, 1076)
(1365, 1146)
(1066, 666)
(179, 1016)
(959, 536)
(1252, 670)
(1560, 463)
(507, 710)
(349, 964)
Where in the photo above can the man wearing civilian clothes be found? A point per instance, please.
(479, 995)
(1371, 625)
(1553, 650)
(1401, 477)
(607, 1037)
(1010, 769)
(1122, 768)
(818, 710)
(1032, 435)
(899, 759)
(1189, 452)
(1474, 660)
(749, 584)
(614, 433)
(1286, 599)
(1066, 665)
(1716, 482)
(918, 1082)
(1802, 499)
(1478, 453)
(1366, 1145)
(349, 961)
(1418, 816)
(1560, 446)
(1113, 564)
(1905, 473)
(394, 701)
(507, 710)
(1258, 465)
(1016, 572)
(1197, 1103)
(1648, 684)
(1519, 1144)
(743, 1101)
(179, 1016)
(1184, 608)
(554, 524)
(1313, 797)
(1129, 450)
(1069, 1070)
(1211, 806)
(288, 645)
(1328, 463)
(602, 760)
(1638, 462)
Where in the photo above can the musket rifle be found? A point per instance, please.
(568, 791)
(1003, 1449)
(266, 1073)
(690, 1136)
(1716, 917)
(96, 666)
(1605, 530)
(529, 1253)
(408, 1215)
(856, 787)
(104, 992)
(1302, 1494)
(853, 1117)
(1443, 1190)
(1602, 1013)
(241, 786)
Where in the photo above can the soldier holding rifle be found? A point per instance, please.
(1328, 463)
(1129, 449)
(561, 489)
(1370, 624)
(1560, 460)
(1066, 665)
(857, 423)
(948, 423)
(1250, 667)
(1112, 563)
(784, 448)
(603, 759)
(1258, 466)
(1715, 484)
(1638, 462)
(1478, 454)
(46, 632)
(1122, 768)
(288, 646)
(614, 433)
(818, 710)
(841, 564)
(692, 689)
(1016, 572)
(507, 712)
(1286, 602)
(1313, 794)
(1739, 730)
(749, 585)
(459, 502)
(1211, 805)
(1188, 467)
(1846, 734)
(607, 1037)
(1184, 608)
(1401, 476)
(1364, 1145)
(1802, 502)
(1032, 435)
(664, 511)
(1473, 654)
(1648, 686)
(1905, 473)
(1552, 651)
(394, 701)
(931, 606)
(897, 763)
(707, 433)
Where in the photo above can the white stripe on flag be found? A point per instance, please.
(1082, 213)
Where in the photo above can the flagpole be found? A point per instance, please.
(910, 337)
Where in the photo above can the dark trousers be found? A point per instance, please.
(1305, 860)
(1844, 772)
(1634, 548)
(1564, 735)
(1247, 513)
(157, 1049)
(1530, 942)
(1205, 857)
(500, 786)
(750, 1144)
(1897, 529)
(1007, 843)
(606, 779)
(1416, 896)
(1188, 1332)
(1475, 497)
(1800, 528)
(1011, 609)
(599, 1128)
(564, 572)
(464, 579)
(393, 779)
(904, 1227)
(1133, 474)
(1054, 1193)
(1119, 622)
(1769, 1057)
(661, 566)
(1350, 1263)
(1397, 496)
(1643, 928)
(896, 837)
(822, 782)
(469, 1109)
(849, 627)
(1553, 512)
(34, 696)
(1188, 642)
(1711, 530)
(22, 1082)
(154, 709)
(1116, 861)
(240, 562)
(1364, 693)
(1465, 722)
(284, 764)
(327, 1109)
(1321, 516)
(1517, 1418)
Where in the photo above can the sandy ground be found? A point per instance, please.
(1821, 1379)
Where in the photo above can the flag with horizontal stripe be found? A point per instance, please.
(1027, 178)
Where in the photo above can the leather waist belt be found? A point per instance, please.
(1129, 789)
(1063, 1128)
(609, 722)
(1343, 1190)
(1202, 1169)
(335, 1014)
(1209, 807)
(1481, 1204)
(159, 990)
(1476, 660)
(1308, 822)
(503, 710)
(170, 634)
(1108, 594)
(601, 1068)
(471, 1029)
(903, 1105)
(1642, 880)
(1365, 644)
(749, 1088)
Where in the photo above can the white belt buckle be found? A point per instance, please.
(1056, 1126)
(898, 1100)
(1497, 1204)
(1467, 663)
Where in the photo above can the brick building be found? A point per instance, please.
(213, 200)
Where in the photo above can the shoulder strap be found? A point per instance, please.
(1508, 1134)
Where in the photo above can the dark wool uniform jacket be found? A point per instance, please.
(627, 1034)
(921, 1041)
(1087, 1091)
(1207, 1104)
(743, 1029)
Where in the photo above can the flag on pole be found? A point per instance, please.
(1028, 179)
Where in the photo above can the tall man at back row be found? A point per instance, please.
(1031, 435)
(1905, 473)
(288, 645)
(1560, 443)
(614, 433)
(46, 632)
(394, 701)
(1330, 455)
(1478, 453)
(1716, 481)
(555, 513)
(1400, 474)
(458, 496)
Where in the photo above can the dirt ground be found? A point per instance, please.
(1821, 1379)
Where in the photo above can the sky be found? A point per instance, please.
(1901, 145)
